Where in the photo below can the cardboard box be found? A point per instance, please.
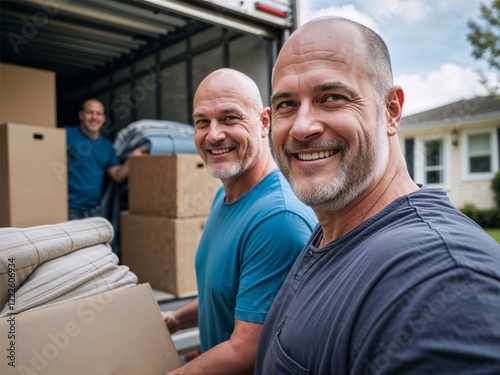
(33, 175)
(27, 96)
(161, 250)
(177, 185)
(117, 332)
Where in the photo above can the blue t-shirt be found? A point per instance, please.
(414, 289)
(88, 160)
(245, 252)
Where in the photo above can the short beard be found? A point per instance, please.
(234, 169)
(237, 167)
(355, 173)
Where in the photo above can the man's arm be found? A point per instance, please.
(234, 356)
(119, 173)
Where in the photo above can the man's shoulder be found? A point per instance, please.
(273, 187)
(285, 190)
(276, 180)
(73, 134)
(71, 129)
(277, 196)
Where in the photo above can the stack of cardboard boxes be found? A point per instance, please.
(33, 174)
(169, 199)
(85, 336)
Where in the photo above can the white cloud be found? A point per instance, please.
(448, 84)
(410, 11)
(305, 13)
(375, 14)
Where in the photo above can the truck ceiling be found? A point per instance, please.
(75, 37)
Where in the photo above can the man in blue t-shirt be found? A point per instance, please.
(90, 156)
(255, 229)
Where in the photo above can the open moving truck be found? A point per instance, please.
(143, 58)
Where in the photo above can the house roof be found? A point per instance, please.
(462, 109)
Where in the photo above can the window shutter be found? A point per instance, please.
(409, 155)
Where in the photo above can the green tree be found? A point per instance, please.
(485, 39)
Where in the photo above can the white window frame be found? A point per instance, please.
(464, 141)
(419, 166)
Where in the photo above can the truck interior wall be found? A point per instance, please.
(162, 84)
(249, 55)
(145, 100)
(120, 109)
(147, 97)
(174, 97)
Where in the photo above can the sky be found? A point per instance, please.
(427, 39)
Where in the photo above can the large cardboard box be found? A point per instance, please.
(161, 250)
(176, 185)
(117, 332)
(33, 175)
(27, 95)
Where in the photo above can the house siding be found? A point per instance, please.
(462, 192)
(477, 193)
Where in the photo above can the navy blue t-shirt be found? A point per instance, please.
(88, 160)
(414, 289)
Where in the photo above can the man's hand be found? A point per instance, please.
(119, 173)
(171, 321)
(139, 151)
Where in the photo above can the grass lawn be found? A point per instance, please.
(495, 233)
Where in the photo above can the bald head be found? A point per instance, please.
(232, 82)
(340, 36)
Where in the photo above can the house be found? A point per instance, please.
(455, 147)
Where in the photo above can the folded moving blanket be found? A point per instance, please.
(60, 262)
(136, 132)
(169, 144)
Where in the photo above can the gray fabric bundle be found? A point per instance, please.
(56, 263)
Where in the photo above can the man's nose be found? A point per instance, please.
(215, 132)
(306, 123)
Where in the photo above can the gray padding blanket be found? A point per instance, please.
(55, 263)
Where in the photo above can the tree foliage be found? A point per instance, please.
(485, 39)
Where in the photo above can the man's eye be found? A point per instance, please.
(284, 105)
(201, 123)
(333, 98)
(230, 119)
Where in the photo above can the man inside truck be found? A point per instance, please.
(254, 231)
(90, 157)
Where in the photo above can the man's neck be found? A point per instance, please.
(396, 182)
(90, 134)
(238, 186)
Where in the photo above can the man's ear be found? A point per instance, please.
(265, 119)
(394, 108)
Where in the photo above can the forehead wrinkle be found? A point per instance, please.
(223, 111)
(297, 64)
(319, 59)
(229, 110)
(331, 85)
(327, 86)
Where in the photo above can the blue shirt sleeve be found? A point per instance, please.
(113, 158)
